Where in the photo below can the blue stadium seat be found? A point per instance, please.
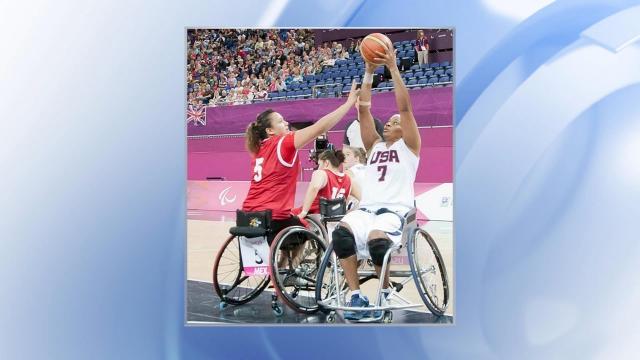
(401, 54)
(418, 74)
(411, 54)
(353, 72)
(307, 93)
(321, 82)
(424, 66)
(443, 78)
(291, 93)
(428, 73)
(361, 72)
(415, 67)
(434, 65)
(412, 82)
(405, 42)
(444, 63)
(294, 86)
(432, 80)
(413, 42)
(439, 72)
(449, 71)
(379, 70)
(381, 85)
(423, 81)
(299, 93)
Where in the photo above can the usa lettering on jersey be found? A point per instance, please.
(385, 156)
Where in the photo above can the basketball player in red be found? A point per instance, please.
(327, 182)
(275, 161)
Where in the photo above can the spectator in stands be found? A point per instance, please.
(422, 48)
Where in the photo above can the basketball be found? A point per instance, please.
(372, 43)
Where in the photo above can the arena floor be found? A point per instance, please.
(206, 231)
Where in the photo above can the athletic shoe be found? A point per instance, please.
(357, 301)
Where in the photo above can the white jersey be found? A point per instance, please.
(389, 177)
(359, 173)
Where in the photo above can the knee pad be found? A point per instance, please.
(378, 248)
(343, 242)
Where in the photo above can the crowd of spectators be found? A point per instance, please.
(239, 66)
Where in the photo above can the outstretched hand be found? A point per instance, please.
(389, 58)
(353, 93)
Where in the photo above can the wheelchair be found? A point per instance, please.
(290, 265)
(426, 268)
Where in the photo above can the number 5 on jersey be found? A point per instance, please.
(257, 170)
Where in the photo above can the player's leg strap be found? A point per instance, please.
(344, 243)
(378, 248)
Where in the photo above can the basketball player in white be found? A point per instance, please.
(354, 167)
(387, 188)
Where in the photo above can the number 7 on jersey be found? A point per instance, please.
(383, 170)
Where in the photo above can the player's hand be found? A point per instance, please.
(370, 68)
(389, 58)
(353, 94)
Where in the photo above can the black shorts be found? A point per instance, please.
(279, 225)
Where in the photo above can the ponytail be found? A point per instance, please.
(257, 131)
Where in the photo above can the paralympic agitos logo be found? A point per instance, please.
(224, 198)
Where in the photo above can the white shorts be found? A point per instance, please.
(362, 222)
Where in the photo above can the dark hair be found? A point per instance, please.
(335, 157)
(257, 131)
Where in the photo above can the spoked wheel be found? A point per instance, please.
(296, 254)
(316, 227)
(329, 288)
(429, 272)
(230, 282)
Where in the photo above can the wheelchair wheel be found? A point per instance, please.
(327, 287)
(296, 254)
(229, 280)
(316, 227)
(429, 273)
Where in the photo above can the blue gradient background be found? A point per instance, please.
(92, 200)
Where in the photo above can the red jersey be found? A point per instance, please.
(275, 172)
(338, 186)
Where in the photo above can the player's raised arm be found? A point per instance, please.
(367, 126)
(410, 132)
(306, 135)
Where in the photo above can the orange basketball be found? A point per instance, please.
(372, 43)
